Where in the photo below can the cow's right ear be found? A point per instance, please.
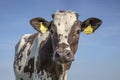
(40, 24)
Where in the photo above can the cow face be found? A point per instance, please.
(64, 31)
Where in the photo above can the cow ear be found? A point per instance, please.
(40, 24)
(90, 25)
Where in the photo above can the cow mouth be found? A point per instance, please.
(63, 60)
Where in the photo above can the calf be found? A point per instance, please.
(48, 54)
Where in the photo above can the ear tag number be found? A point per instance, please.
(88, 29)
(43, 28)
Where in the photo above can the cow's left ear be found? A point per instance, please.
(40, 24)
(90, 25)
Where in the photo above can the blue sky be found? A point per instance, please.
(98, 55)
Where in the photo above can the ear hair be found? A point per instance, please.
(35, 22)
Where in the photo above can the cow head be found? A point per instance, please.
(64, 31)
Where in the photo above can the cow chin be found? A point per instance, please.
(58, 61)
(64, 61)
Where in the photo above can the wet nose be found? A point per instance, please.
(64, 53)
(64, 56)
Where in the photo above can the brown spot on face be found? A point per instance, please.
(63, 45)
(74, 35)
(66, 36)
(59, 35)
(74, 47)
(58, 24)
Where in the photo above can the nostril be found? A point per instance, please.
(57, 55)
(68, 54)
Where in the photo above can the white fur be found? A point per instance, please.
(36, 45)
(25, 59)
(20, 73)
(23, 40)
(63, 76)
(66, 21)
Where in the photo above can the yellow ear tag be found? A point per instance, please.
(88, 30)
(43, 28)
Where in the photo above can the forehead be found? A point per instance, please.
(64, 20)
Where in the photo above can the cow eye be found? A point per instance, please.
(51, 31)
(78, 31)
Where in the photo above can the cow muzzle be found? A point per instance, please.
(63, 56)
